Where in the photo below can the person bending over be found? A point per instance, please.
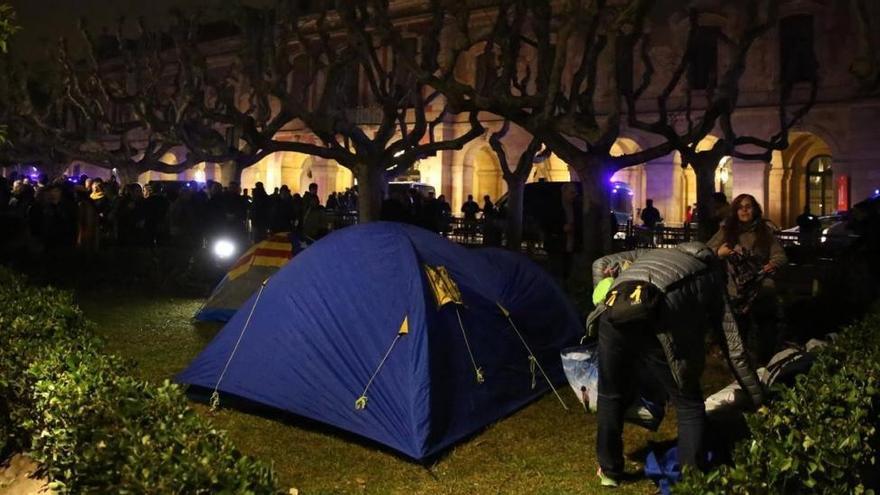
(666, 334)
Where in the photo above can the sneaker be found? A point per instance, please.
(605, 480)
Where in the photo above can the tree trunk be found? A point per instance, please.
(371, 192)
(516, 192)
(231, 171)
(707, 223)
(595, 212)
(126, 175)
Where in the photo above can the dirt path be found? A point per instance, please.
(16, 477)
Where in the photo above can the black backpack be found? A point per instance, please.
(632, 302)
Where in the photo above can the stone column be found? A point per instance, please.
(749, 178)
(662, 185)
(776, 193)
(289, 171)
(456, 198)
(324, 175)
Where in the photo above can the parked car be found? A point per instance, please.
(405, 186)
(834, 232)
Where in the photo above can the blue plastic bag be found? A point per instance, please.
(664, 470)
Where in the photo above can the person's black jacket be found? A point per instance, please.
(695, 300)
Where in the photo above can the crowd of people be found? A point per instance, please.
(408, 205)
(88, 213)
(435, 213)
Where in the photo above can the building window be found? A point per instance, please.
(820, 186)
(796, 56)
(351, 91)
(703, 67)
(300, 77)
(403, 77)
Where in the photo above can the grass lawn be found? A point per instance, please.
(540, 449)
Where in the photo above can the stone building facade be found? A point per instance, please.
(830, 164)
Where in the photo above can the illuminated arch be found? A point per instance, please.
(791, 180)
(482, 174)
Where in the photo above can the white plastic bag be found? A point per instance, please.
(581, 366)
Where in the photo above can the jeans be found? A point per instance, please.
(760, 328)
(621, 352)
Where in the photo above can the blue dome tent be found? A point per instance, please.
(395, 334)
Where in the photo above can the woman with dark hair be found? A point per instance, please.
(752, 254)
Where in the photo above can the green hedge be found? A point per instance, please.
(819, 436)
(90, 425)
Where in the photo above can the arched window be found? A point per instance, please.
(796, 48)
(724, 177)
(820, 185)
(703, 67)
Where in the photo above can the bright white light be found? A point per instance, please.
(399, 153)
(199, 176)
(224, 249)
(390, 168)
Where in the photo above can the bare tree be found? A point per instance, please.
(866, 63)
(516, 180)
(8, 27)
(293, 70)
(541, 62)
(686, 129)
(75, 112)
(44, 128)
(300, 70)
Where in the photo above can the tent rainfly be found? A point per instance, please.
(395, 334)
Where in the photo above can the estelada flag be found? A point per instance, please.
(246, 275)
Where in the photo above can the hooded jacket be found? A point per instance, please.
(695, 300)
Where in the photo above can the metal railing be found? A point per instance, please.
(474, 233)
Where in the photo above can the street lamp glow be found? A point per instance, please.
(224, 249)
(199, 176)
